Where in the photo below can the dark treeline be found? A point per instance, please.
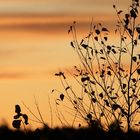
(88, 133)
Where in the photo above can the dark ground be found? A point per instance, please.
(68, 134)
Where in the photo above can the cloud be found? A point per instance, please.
(21, 73)
(6, 52)
(9, 53)
(12, 75)
(58, 6)
(52, 23)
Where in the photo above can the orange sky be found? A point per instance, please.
(58, 6)
(34, 43)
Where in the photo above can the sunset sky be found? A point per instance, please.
(34, 44)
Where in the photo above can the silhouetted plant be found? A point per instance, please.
(109, 74)
(37, 119)
(19, 118)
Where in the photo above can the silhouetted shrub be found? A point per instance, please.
(108, 76)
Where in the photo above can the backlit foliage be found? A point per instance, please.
(109, 74)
